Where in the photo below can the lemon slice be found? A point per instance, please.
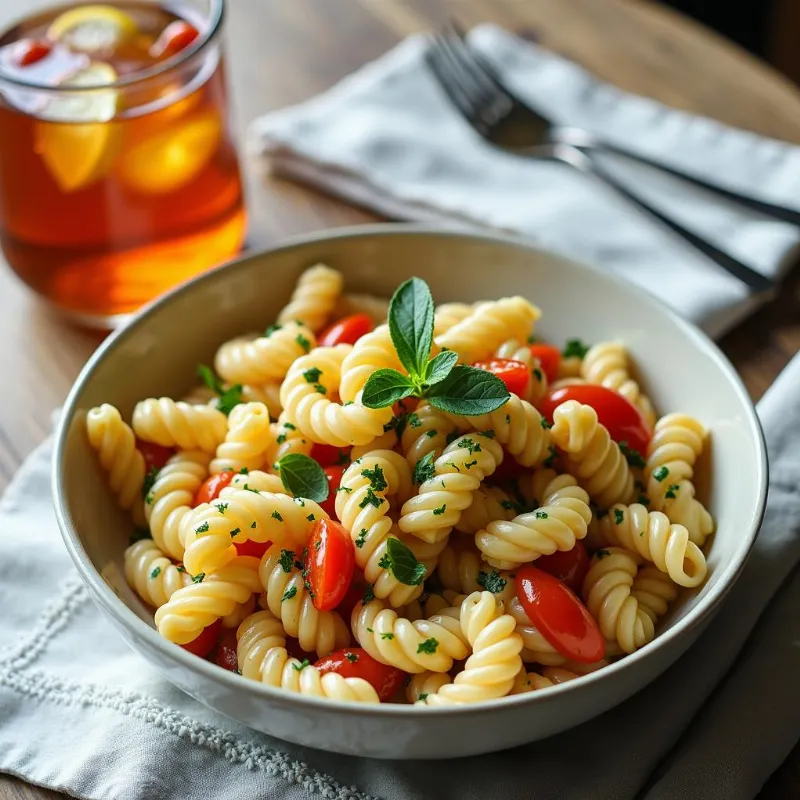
(78, 141)
(91, 29)
(173, 157)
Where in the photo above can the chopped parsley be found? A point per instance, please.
(619, 516)
(253, 524)
(437, 512)
(672, 491)
(222, 507)
(376, 478)
(661, 473)
(199, 577)
(487, 434)
(469, 445)
(202, 528)
(287, 560)
(289, 593)
(641, 533)
(470, 464)
(276, 515)
(155, 573)
(413, 420)
(345, 489)
(235, 532)
(508, 419)
(301, 665)
(632, 457)
(312, 375)
(421, 696)
(370, 498)
(369, 595)
(361, 539)
(280, 438)
(428, 646)
(431, 433)
(351, 657)
(272, 328)
(492, 581)
(537, 373)
(544, 423)
(320, 388)
(387, 636)
(575, 348)
(310, 517)
(303, 342)
(541, 515)
(424, 469)
(149, 480)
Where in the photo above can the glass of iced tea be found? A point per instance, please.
(118, 174)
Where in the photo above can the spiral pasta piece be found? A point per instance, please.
(258, 481)
(462, 570)
(286, 438)
(606, 363)
(536, 387)
(314, 298)
(240, 613)
(457, 474)
(262, 656)
(654, 538)
(115, 444)
(552, 676)
(519, 427)
(448, 315)
(371, 352)
(362, 506)
(676, 445)
(430, 603)
(306, 393)
(562, 519)
(490, 324)
(427, 431)
(536, 647)
(489, 503)
(239, 515)
(607, 592)
(194, 607)
(592, 456)
(495, 661)
(265, 359)
(654, 591)
(386, 441)
(269, 394)
(248, 440)
(151, 574)
(423, 684)
(290, 600)
(425, 645)
(171, 498)
(170, 424)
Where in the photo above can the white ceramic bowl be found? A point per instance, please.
(157, 353)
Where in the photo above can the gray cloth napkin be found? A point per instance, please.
(81, 712)
(388, 138)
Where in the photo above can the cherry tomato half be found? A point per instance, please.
(334, 476)
(623, 420)
(509, 470)
(355, 662)
(212, 486)
(174, 38)
(206, 641)
(549, 358)
(29, 51)
(569, 566)
(514, 374)
(155, 455)
(346, 331)
(224, 654)
(353, 595)
(326, 455)
(331, 561)
(559, 615)
(251, 548)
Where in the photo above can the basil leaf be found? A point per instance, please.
(207, 376)
(303, 477)
(411, 325)
(385, 387)
(468, 391)
(403, 564)
(440, 367)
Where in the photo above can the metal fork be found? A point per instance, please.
(474, 88)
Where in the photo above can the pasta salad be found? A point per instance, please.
(390, 501)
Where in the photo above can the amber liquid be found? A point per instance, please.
(160, 203)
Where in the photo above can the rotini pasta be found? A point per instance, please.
(314, 298)
(450, 314)
(593, 457)
(489, 503)
(537, 386)
(676, 445)
(115, 444)
(248, 440)
(427, 430)
(462, 570)
(170, 424)
(371, 352)
(154, 577)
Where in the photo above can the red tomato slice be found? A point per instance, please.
(334, 476)
(174, 38)
(326, 455)
(346, 331)
(514, 374)
(225, 653)
(355, 662)
(331, 561)
(559, 615)
(206, 641)
(251, 548)
(549, 357)
(155, 455)
(569, 566)
(623, 420)
(29, 51)
(509, 470)
(353, 595)
(212, 486)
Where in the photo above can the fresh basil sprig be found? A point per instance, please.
(460, 389)
(228, 398)
(303, 477)
(402, 563)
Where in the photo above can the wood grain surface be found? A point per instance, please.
(284, 52)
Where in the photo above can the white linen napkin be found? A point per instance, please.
(81, 712)
(388, 138)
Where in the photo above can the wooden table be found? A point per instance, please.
(287, 51)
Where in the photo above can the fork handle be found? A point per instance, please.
(749, 276)
(588, 144)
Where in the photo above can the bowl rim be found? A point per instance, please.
(128, 619)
